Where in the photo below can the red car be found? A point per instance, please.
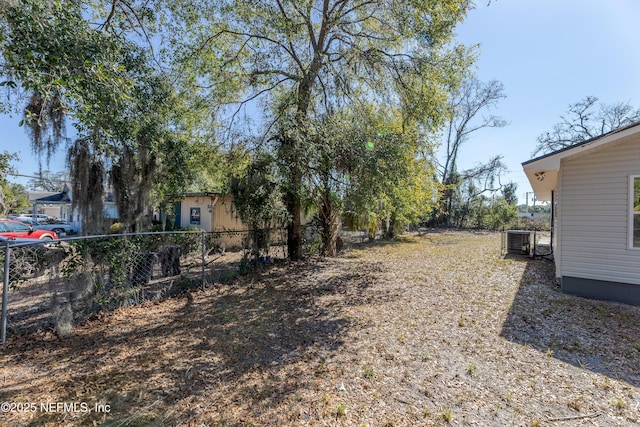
(17, 229)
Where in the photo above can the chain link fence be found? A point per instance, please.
(57, 285)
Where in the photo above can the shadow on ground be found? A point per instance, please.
(600, 336)
(222, 347)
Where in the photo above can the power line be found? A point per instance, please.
(36, 177)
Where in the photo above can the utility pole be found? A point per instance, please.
(527, 198)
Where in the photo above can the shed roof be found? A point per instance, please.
(542, 171)
(203, 194)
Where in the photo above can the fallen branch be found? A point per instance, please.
(577, 417)
(138, 414)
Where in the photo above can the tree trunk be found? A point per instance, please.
(391, 232)
(293, 148)
(293, 202)
(294, 229)
(329, 226)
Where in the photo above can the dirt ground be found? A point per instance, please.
(435, 329)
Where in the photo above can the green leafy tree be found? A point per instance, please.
(502, 213)
(328, 178)
(258, 200)
(301, 58)
(5, 189)
(509, 193)
(472, 199)
(15, 196)
(390, 182)
(123, 109)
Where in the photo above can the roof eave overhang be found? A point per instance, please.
(542, 172)
(203, 194)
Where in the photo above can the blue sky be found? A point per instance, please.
(547, 53)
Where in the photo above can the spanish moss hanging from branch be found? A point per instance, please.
(132, 179)
(44, 119)
(87, 186)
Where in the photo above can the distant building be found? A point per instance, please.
(211, 212)
(55, 204)
(58, 205)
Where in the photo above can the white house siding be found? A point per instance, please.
(557, 241)
(205, 204)
(594, 218)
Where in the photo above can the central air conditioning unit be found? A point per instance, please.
(519, 242)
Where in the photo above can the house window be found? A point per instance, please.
(194, 216)
(635, 212)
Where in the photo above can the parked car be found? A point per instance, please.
(17, 229)
(57, 227)
(14, 240)
(29, 217)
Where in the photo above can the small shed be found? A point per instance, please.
(594, 187)
(211, 212)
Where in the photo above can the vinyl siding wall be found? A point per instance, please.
(593, 218)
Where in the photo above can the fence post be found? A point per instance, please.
(204, 250)
(5, 291)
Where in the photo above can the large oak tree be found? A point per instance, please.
(80, 61)
(297, 59)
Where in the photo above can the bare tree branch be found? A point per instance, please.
(583, 122)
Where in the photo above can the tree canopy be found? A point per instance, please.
(298, 60)
(5, 189)
(345, 97)
(123, 110)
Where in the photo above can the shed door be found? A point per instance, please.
(178, 208)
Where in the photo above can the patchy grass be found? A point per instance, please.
(436, 329)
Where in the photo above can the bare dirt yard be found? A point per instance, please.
(434, 329)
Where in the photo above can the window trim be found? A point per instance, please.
(632, 213)
(195, 212)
